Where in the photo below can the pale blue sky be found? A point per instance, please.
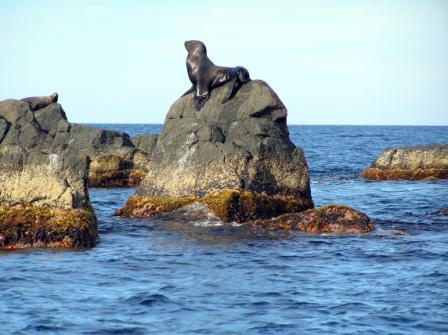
(331, 62)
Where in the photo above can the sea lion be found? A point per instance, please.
(41, 102)
(205, 75)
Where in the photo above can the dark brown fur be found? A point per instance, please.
(205, 76)
(41, 102)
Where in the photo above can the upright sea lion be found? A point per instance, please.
(41, 102)
(205, 75)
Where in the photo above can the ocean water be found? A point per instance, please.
(171, 276)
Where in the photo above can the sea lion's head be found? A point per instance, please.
(196, 47)
(54, 97)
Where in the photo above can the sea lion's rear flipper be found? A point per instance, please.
(191, 89)
(233, 86)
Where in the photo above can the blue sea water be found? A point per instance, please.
(166, 276)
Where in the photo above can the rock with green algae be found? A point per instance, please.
(243, 206)
(44, 200)
(412, 163)
(327, 219)
(23, 226)
(241, 145)
(139, 206)
(113, 171)
(227, 205)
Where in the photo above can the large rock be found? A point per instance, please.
(242, 145)
(44, 200)
(48, 130)
(414, 163)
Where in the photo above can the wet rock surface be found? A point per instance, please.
(327, 219)
(413, 163)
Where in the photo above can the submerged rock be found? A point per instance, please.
(326, 219)
(444, 211)
(44, 200)
(242, 144)
(413, 163)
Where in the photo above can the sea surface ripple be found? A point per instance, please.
(168, 276)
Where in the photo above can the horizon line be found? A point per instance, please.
(295, 124)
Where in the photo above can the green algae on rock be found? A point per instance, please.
(113, 171)
(23, 226)
(140, 206)
(327, 219)
(228, 205)
(411, 163)
(242, 206)
(44, 200)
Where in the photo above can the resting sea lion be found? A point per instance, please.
(205, 75)
(41, 102)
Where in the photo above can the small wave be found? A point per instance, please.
(147, 299)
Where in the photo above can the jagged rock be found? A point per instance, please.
(326, 219)
(44, 200)
(413, 163)
(12, 110)
(48, 130)
(145, 142)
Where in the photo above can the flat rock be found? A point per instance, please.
(413, 163)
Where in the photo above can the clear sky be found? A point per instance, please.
(331, 62)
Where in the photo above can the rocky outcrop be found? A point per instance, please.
(413, 163)
(44, 200)
(326, 219)
(115, 160)
(241, 145)
(145, 143)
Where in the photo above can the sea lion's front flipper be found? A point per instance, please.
(200, 100)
